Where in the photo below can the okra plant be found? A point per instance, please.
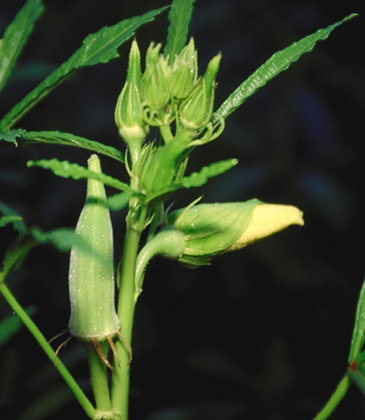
(165, 111)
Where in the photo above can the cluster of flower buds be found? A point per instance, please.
(169, 90)
(169, 95)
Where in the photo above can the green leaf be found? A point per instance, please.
(16, 35)
(5, 220)
(63, 238)
(119, 201)
(11, 136)
(9, 214)
(66, 169)
(11, 324)
(179, 17)
(100, 47)
(358, 335)
(67, 139)
(197, 179)
(277, 63)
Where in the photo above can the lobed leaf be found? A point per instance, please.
(197, 179)
(11, 136)
(358, 335)
(96, 48)
(67, 139)
(277, 63)
(179, 17)
(66, 169)
(16, 35)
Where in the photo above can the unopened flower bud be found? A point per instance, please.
(181, 81)
(196, 110)
(183, 74)
(213, 229)
(155, 92)
(128, 111)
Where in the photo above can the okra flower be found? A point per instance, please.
(213, 229)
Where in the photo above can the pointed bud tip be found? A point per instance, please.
(268, 219)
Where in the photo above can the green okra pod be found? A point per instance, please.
(91, 275)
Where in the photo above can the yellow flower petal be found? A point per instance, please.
(266, 220)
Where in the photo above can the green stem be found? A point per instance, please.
(166, 134)
(335, 399)
(68, 378)
(126, 305)
(99, 378)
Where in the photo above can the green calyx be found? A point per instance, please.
(210, 229)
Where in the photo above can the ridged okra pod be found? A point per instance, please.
(91, 275)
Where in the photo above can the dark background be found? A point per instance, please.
(263, 333)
